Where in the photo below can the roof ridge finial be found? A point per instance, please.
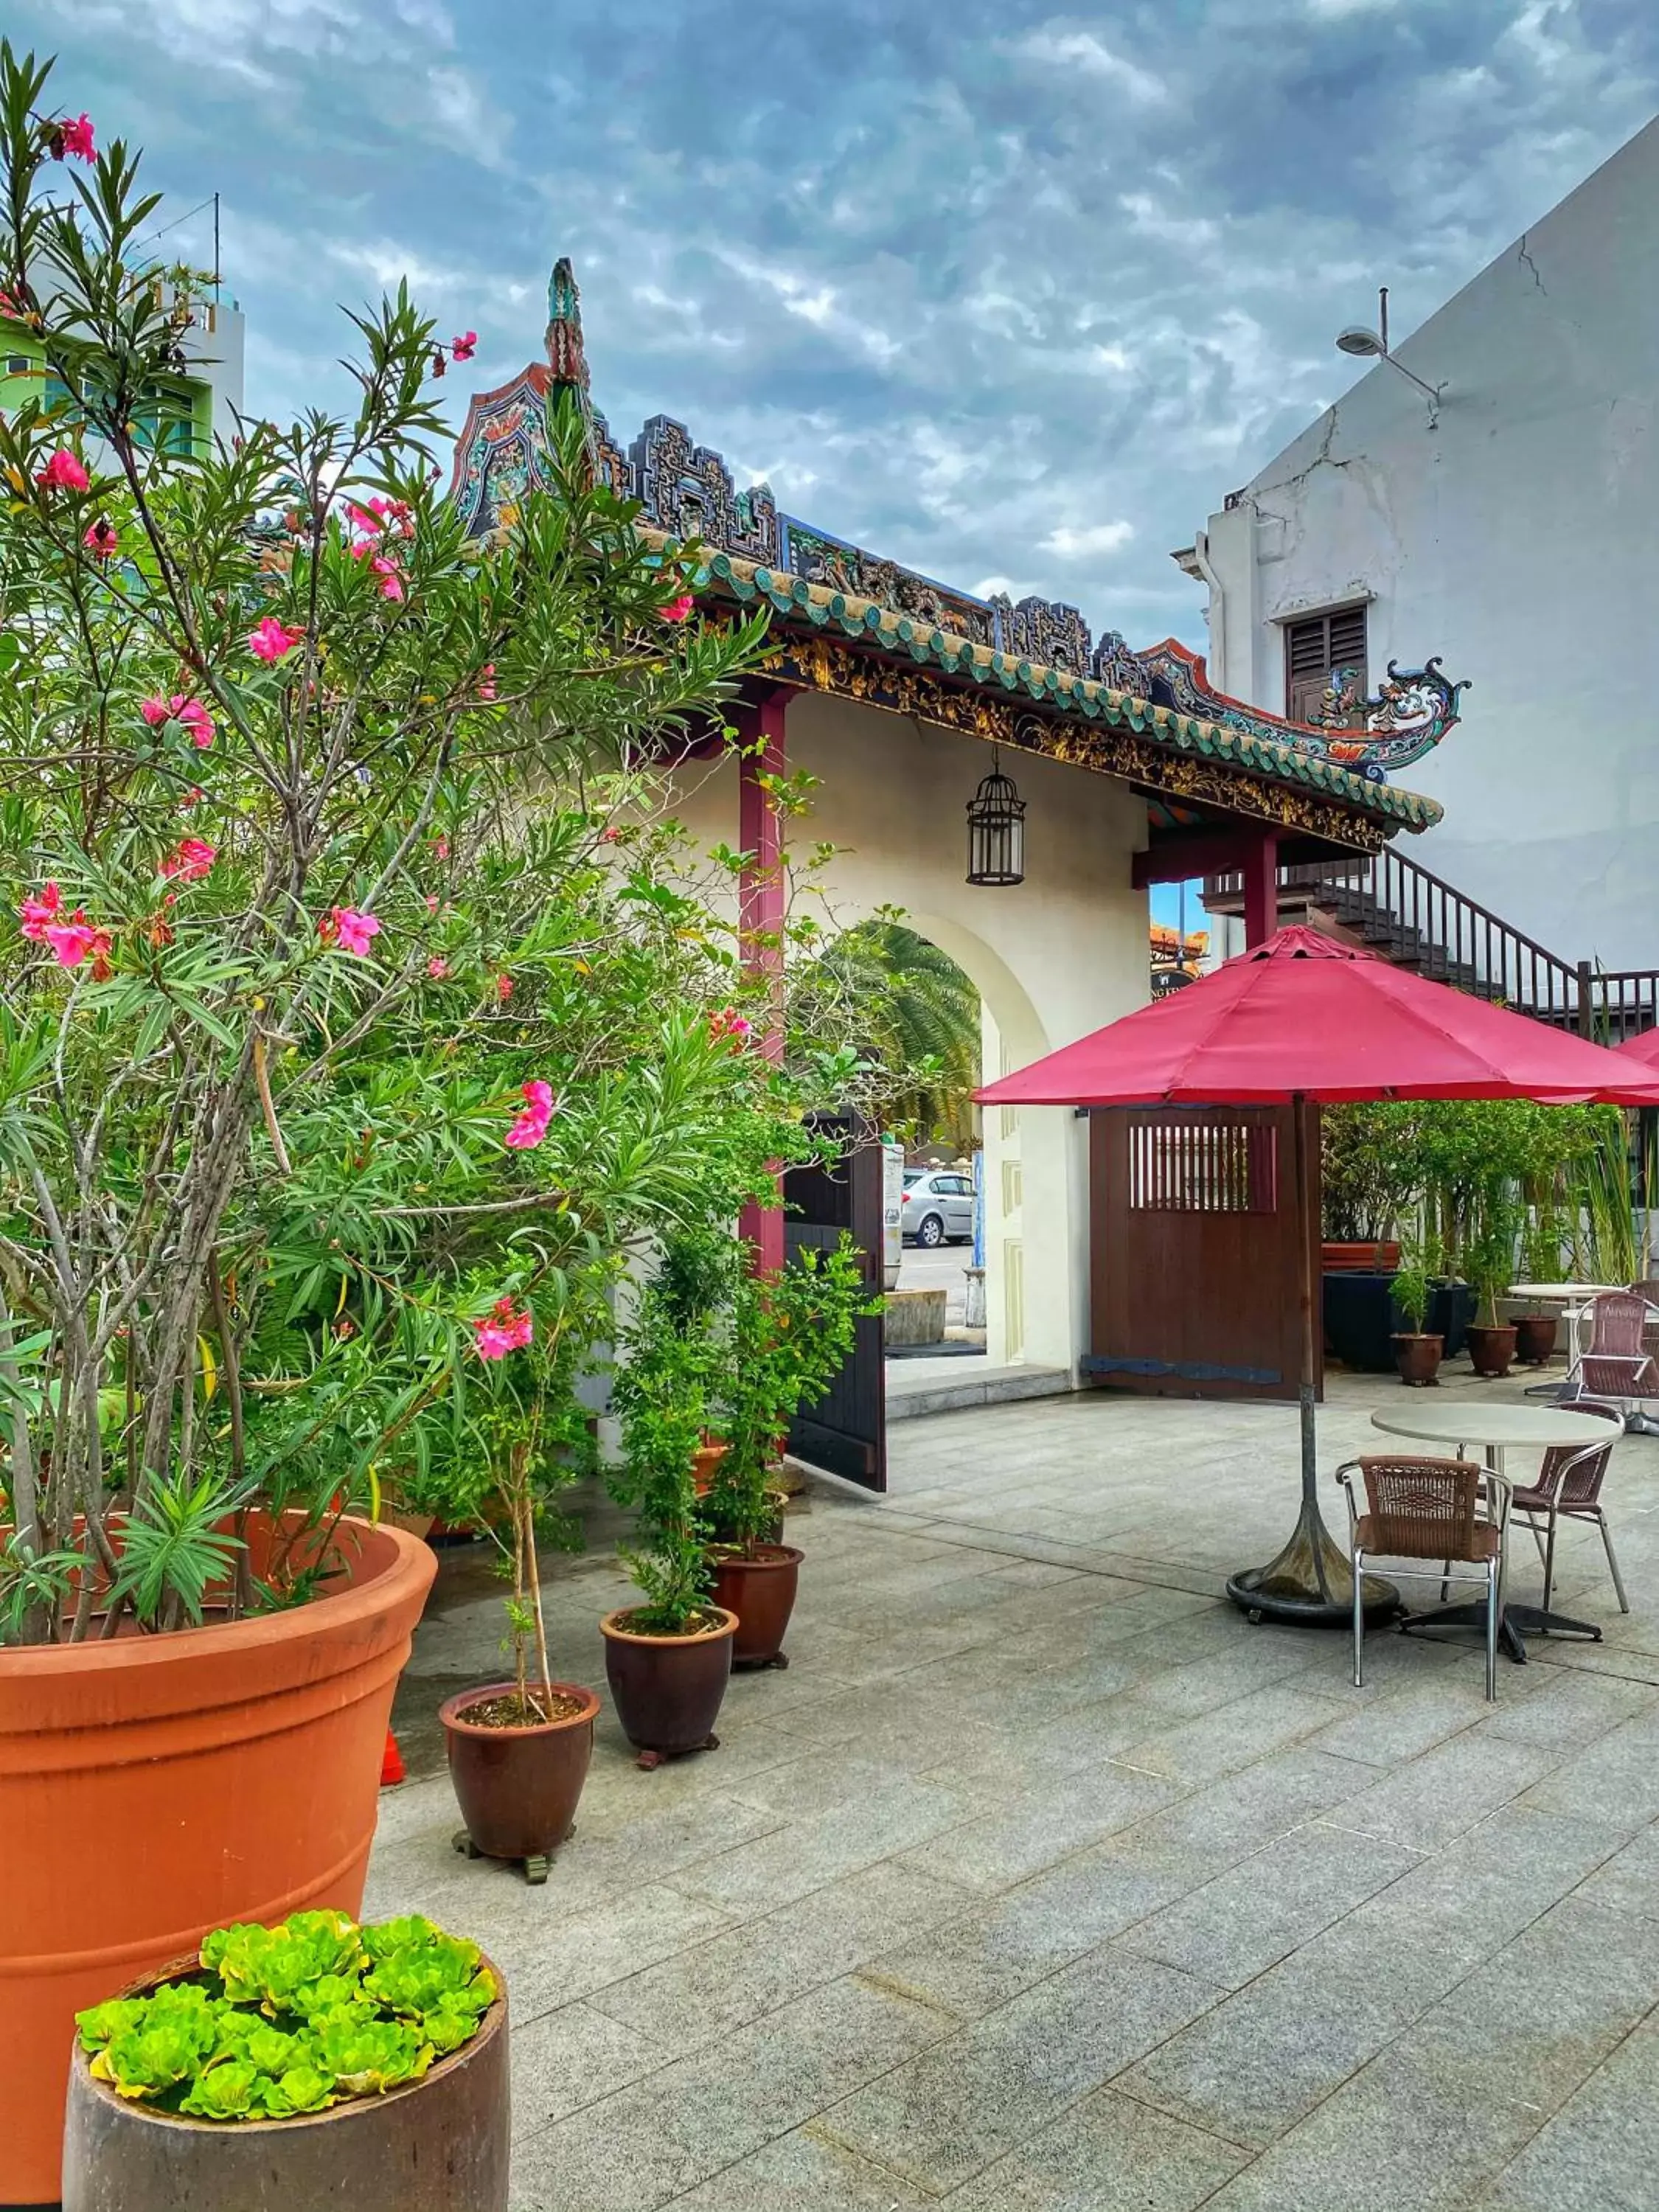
(565, 354)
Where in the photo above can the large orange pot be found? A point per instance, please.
(153, 1787)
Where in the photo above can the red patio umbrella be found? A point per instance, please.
(1304, 1018)
(1645, 1047)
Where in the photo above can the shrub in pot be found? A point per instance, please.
(668, 1658)
(302, 867)
(787, 1337)
(1489, 1263)
(314, 2061)
(1417, 1352)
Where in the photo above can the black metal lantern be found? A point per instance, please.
(996, 830)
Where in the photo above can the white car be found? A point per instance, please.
(937, 1207)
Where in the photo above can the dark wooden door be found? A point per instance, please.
(846, 1432)
(1197, 1250)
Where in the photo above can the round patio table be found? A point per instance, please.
(1494, 1428)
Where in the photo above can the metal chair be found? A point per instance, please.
(1569, 1487)
(1428, 1509)
(1647, 1291)
(1615, 1363)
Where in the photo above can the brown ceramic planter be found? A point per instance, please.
(1418, 1358)
(174, 1784)
(705, 1466)
(1535, 1339)
(517, 1787)
(667, 1689)
(760, 1591)
(436, 2145)
(1491, 1350)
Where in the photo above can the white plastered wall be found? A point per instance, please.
(1054, 957)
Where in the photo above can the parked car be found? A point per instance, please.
(937, 1207)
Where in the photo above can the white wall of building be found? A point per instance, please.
(1516, 539)
(1054, 957)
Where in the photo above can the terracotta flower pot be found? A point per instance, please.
(517, 1787)
(1418, 1358)
(760, 1591)
(667, 1689)
(1535, 1339)
(1491, 1350)
(705, 1466)
(158, 1786)
(436, 2145)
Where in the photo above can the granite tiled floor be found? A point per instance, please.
(1044, 1882)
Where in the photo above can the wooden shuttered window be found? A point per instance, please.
(1314, 648)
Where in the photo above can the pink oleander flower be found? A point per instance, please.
(12, 306)
(72, 139)
(351, 931)
(437, 968)
(192, 798)
(63, 472)
(487, 682)
(36, 915)
(531, 1126)
(190, 712)
(101, 540)
(270, 642)
(441, 849)
(503, 988)
(610, 835)
(391, 576)
(466, 346)
(432, 902)
(676, 610)
(728, 1023)
(191, 859)
(72, 941)
(503, 1329)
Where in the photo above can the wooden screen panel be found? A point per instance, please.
(1196, 1251)
(1314, 648)
(846, 1431)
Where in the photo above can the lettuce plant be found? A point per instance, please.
(293, 2018)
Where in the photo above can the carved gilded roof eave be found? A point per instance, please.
(951, 681)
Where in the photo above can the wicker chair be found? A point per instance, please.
(1428, 1509)
(1647, 1291)
(1569, 1487)
(1615, 1363)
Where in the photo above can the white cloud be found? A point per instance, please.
(1053, 46)
(1067, 543)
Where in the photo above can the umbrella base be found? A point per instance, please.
(1310, 1585)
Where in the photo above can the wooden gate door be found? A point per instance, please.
(846, 1432)
(1195, 1261)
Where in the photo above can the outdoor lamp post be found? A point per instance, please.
(996, 830)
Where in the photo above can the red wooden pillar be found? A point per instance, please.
(1260, 889)
(761, 898)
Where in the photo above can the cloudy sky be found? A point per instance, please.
(1011, 295)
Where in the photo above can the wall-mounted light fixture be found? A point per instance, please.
(1373, 345)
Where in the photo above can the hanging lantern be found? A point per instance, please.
(996, 830)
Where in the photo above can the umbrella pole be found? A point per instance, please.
(1309, 1583)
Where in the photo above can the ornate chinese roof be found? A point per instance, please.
(1037, 650)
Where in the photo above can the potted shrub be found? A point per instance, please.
(518, 1750)
(668, 1658)
(297, 902)
(312, 2062)
(788, 1338)
(1541, 1260)
(1417, 1351)
(1489, 1263)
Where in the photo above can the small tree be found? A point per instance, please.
(305, 813)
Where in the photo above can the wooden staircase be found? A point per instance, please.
(1394, 906)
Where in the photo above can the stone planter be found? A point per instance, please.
(915, 1317)
(436, 2145)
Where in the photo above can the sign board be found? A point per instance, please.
(892, 1211)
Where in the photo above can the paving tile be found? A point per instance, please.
(1252, 2067)
(549, 1959)
(946, 2115)
(805, 2173)
(575, 2056)
(649, 2143)
(756, 1878)
(1238, 1925)
(1104, 2156)
(1427, 1801)
(1229, 1819)
(1627, 1881)
(1418, 1715)
(1615, 1780)
(1039, 1828)
(702, 1994)
(1570, 1709)
(1601, 2152)
(1233, 1735)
